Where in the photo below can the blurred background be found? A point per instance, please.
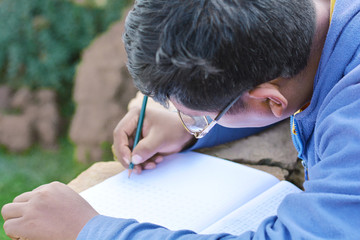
(63, 88)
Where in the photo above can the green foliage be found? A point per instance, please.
(113, 9)
(41, 41)
(107, 153)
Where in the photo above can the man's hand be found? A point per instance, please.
(52, 211)
(162, 134)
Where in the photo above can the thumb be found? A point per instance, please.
(144, 150)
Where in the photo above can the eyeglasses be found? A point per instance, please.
(199, 126)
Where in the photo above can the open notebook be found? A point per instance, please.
(193, 191)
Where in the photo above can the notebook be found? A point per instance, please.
(193, 191)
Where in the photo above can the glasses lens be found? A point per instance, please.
(194, 123)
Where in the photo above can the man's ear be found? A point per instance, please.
(270, 94)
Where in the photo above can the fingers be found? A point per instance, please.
(149, 164)
(24, 197)
(122, 136)
(11, 227)
(145, 149)
(16, 208)
(138, 169)
(12, 210)
(13, 214)
(155, 141)
(159, 158)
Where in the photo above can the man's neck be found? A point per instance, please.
(299, 89)
(322, 8)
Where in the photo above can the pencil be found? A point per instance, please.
(138, 130)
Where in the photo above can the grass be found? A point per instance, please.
(23, 172)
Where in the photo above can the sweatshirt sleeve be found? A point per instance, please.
(108, 228)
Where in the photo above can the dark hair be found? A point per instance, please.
(204, 53)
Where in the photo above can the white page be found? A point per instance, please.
(250, 215)
(186, 191)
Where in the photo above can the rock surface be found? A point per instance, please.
(5, 97)
(271, 151)
(28, 117)
(97, 173)
(272, 147)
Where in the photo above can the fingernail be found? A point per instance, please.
(150, 165)
(136, 159)
(159, 159)
(137, 169)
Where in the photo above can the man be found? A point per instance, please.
(244, 63)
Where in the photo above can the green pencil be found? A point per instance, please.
(138, 130)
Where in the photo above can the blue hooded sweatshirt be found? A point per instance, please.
(328, 140)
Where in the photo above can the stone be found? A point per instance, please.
(5, 97)
(272, 147)
(30, 117)
(103, 88)
(16, 132)
(21, 98)
(297, 176)
(48, 118)
(95, 174)
(271, 151)
(94, 124)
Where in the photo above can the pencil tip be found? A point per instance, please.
(131, 167)
(129, 173)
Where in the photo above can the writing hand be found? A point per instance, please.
(162, 134)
